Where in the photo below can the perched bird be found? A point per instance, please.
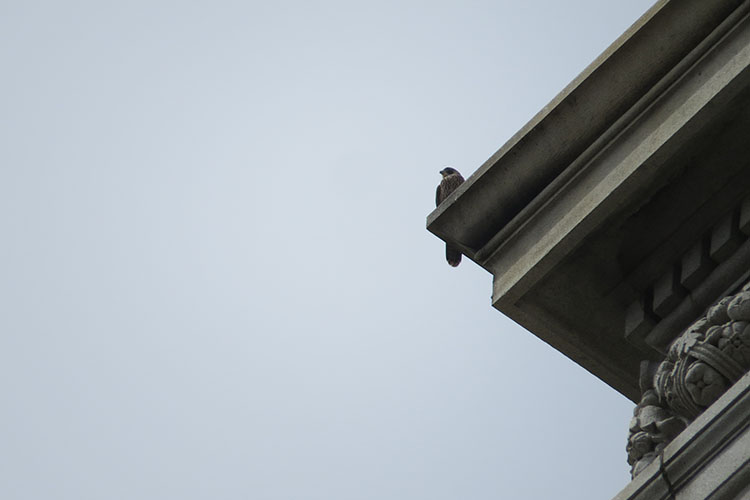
(451, 180)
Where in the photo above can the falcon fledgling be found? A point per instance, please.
(451, 180)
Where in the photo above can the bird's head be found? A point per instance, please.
(448, 171)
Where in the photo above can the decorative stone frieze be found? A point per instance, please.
(710, 356)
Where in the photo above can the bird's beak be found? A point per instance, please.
(442, 172)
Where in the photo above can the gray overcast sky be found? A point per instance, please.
(216, 280)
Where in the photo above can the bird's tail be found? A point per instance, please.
(453, 255)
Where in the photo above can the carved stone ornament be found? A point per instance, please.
(701, 364)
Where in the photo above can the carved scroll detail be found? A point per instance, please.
(712, 354)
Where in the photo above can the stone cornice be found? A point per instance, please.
(574, 120)
(584, 211)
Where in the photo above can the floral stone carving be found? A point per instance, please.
(701, 364)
